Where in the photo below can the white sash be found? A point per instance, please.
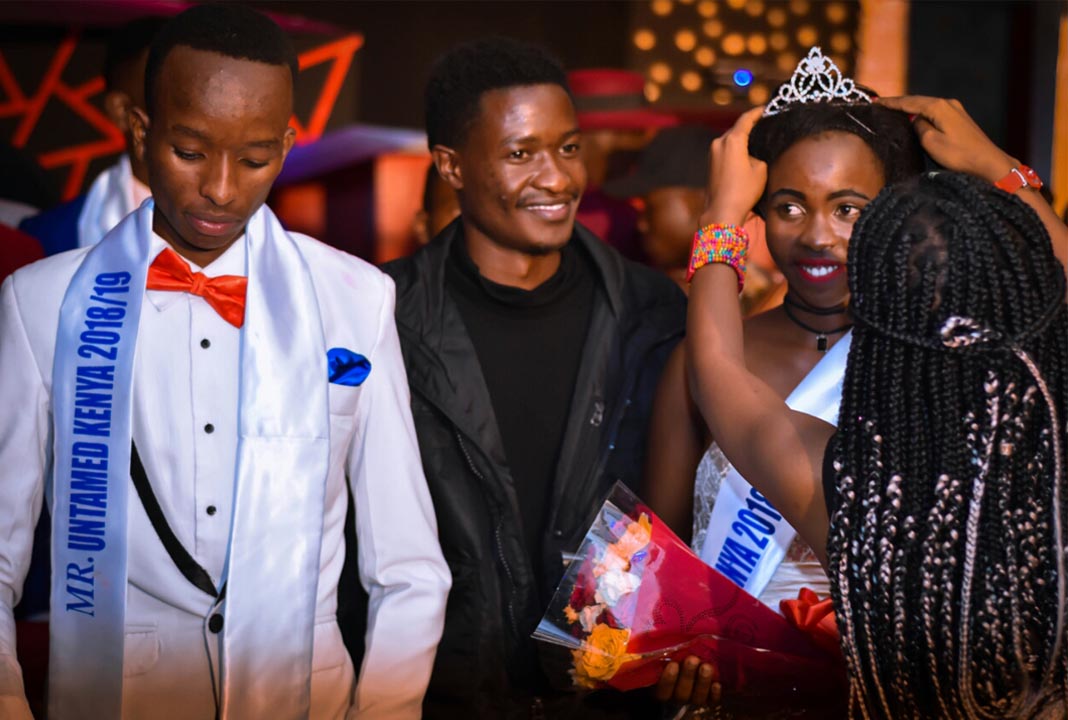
(91, 409)
(272, 566)
(108, 201)
(747, 538)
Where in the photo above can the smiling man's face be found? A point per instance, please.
(520, 174)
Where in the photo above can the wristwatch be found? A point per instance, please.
(1020, 176)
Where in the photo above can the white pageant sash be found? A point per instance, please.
(91, 408)
(283, 455)
(108, 201)
(747, 538)
(272, 566)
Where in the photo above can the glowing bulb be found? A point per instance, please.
(799, 7)
(743, 78)
(644, 39)
(660, 72)
(713, 28)
(737, 4)
(661, 7)
(758, 94)
(652, 92)
(706, 8)
(807, 36)
(787, 62)
(722, 96)
(685, 40)
(778, 41)
(776, 17)
(691, 81)
(705, 56)
(836, 12)
(734, 44)
(754, 8)
(757, 44)
(841, 42)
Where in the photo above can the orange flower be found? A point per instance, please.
(604, 653)
(636, 537)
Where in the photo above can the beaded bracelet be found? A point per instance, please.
(717, 243)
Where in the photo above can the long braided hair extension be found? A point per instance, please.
(946, 546)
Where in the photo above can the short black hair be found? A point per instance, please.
(125, 45)
(231, 30)
(889, 133)
(461, 76)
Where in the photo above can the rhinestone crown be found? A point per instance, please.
(816, 79)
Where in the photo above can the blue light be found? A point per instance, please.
(743, 78)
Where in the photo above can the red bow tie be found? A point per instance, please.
(225, 294)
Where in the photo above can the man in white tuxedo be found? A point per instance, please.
(240, 375)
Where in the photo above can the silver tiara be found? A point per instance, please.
(816, 79)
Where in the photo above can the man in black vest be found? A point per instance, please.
(533, 350)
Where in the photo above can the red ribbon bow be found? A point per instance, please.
(815, 618)
(225, 294)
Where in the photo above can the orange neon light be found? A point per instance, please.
(341, 53)
(77, 158)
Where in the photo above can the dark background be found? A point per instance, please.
(998, 58)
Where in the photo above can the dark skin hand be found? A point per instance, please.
(955, 141)
(692, 682)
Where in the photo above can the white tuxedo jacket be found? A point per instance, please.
(170, 655)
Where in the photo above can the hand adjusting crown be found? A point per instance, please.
(816, 79)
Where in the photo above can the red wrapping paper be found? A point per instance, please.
(683, 607)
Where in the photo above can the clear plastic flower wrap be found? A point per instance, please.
(636, 597)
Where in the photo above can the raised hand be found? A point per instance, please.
(950, 136)
(954, 141)
(735, 179)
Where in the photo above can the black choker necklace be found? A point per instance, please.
(821, 335)
(812, 309)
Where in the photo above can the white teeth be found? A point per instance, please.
(819, 270)
(550, 208)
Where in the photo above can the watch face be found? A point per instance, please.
(1019, 177)
(1030, 176)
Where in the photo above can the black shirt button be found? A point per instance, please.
(215, 623)
(209, 428)
(205, 343)
(212, 510)
(558, 533)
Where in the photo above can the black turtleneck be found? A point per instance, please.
(529, 344)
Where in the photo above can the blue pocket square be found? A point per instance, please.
(347, 367)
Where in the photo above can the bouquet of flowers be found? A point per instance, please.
(636, 597)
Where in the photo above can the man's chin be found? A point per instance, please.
(541, 250)
(551, 242)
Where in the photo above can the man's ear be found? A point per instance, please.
(139, 124)
(447, 161)
(117, 105)
(287, 142)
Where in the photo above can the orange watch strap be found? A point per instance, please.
(1019, 177)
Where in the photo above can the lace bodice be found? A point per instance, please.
(800, 568)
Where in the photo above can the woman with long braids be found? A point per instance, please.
(943, 486)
